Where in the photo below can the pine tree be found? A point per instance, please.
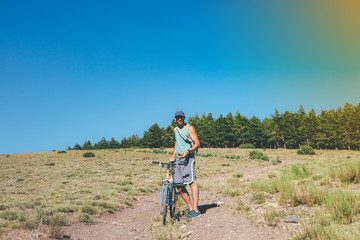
(113, 144)
(87, 146)
(153, 137)
(102, 144)
(77, 147)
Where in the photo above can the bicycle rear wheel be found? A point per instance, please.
(173, 200)
(165, 202)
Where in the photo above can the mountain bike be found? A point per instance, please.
(169, 194)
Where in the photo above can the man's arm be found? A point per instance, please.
(174, 154)
(195, 138)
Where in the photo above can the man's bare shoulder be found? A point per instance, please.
(191, 129)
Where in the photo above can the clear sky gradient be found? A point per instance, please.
(72, 71)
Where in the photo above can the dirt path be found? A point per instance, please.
(216, 222)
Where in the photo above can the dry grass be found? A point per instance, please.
(43, 185)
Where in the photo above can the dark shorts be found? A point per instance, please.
(185, 174)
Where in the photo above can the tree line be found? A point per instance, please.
(331, 129)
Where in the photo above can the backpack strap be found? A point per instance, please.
(185, 138)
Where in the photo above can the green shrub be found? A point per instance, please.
(102, 204)
(88, 154)
(306, 150)
(341, 204)
(238, 175)
(89, 210)
(264, 158)
(247, 146)
(205, 155)
(55, 226)
(258, 197)
(260, 185)
(232, 157)
(31, 224)
(66, 209)
(3, 207)
(85, 218)
(272, 217)
(258, 155)
(300, 172)
(255, 155)
(159, 151)
(61, 152)
(347, 173)
(9, 215)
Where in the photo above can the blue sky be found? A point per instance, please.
(72, 72)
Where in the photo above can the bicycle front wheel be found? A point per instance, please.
(173, 200)
(165, 202)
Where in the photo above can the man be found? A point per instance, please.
(185, 174)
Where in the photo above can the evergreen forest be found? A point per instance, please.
(331, 129)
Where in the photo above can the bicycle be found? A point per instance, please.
(169, 194)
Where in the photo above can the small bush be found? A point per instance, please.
(20, 180)
(31, 224)
(103, 204)
(272, 217)
(9, 215)
(271, 175)
(247, 146)
(85, 218)
(89, 210)
(258, 197)
(66, 209)
(260, 185)
(264, 158)
(61, 152)
(124, 182)
(306, 150)
(232, 191)
(205, 155)
(258, 155)
(3, 207)
(238, 175)
(88, 154)
(341, 204)
(55, 226)
(255, 155)
(347, 173)
(159, 151)
(299, 172)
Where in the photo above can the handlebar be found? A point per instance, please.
(167, 163)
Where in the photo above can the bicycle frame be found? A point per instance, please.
(170, 182)
(169, 195)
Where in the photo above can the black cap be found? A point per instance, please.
(180, 113)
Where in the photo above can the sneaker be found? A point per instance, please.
(187, 212)
(194, 214)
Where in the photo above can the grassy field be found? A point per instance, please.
(61, 188)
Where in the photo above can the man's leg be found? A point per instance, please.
(185, 195)
(195, 195)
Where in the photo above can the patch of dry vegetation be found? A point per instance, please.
(59, 189)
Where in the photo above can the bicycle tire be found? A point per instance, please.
(172, 204)
(165, 202)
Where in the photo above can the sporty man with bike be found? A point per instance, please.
(186, 145)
